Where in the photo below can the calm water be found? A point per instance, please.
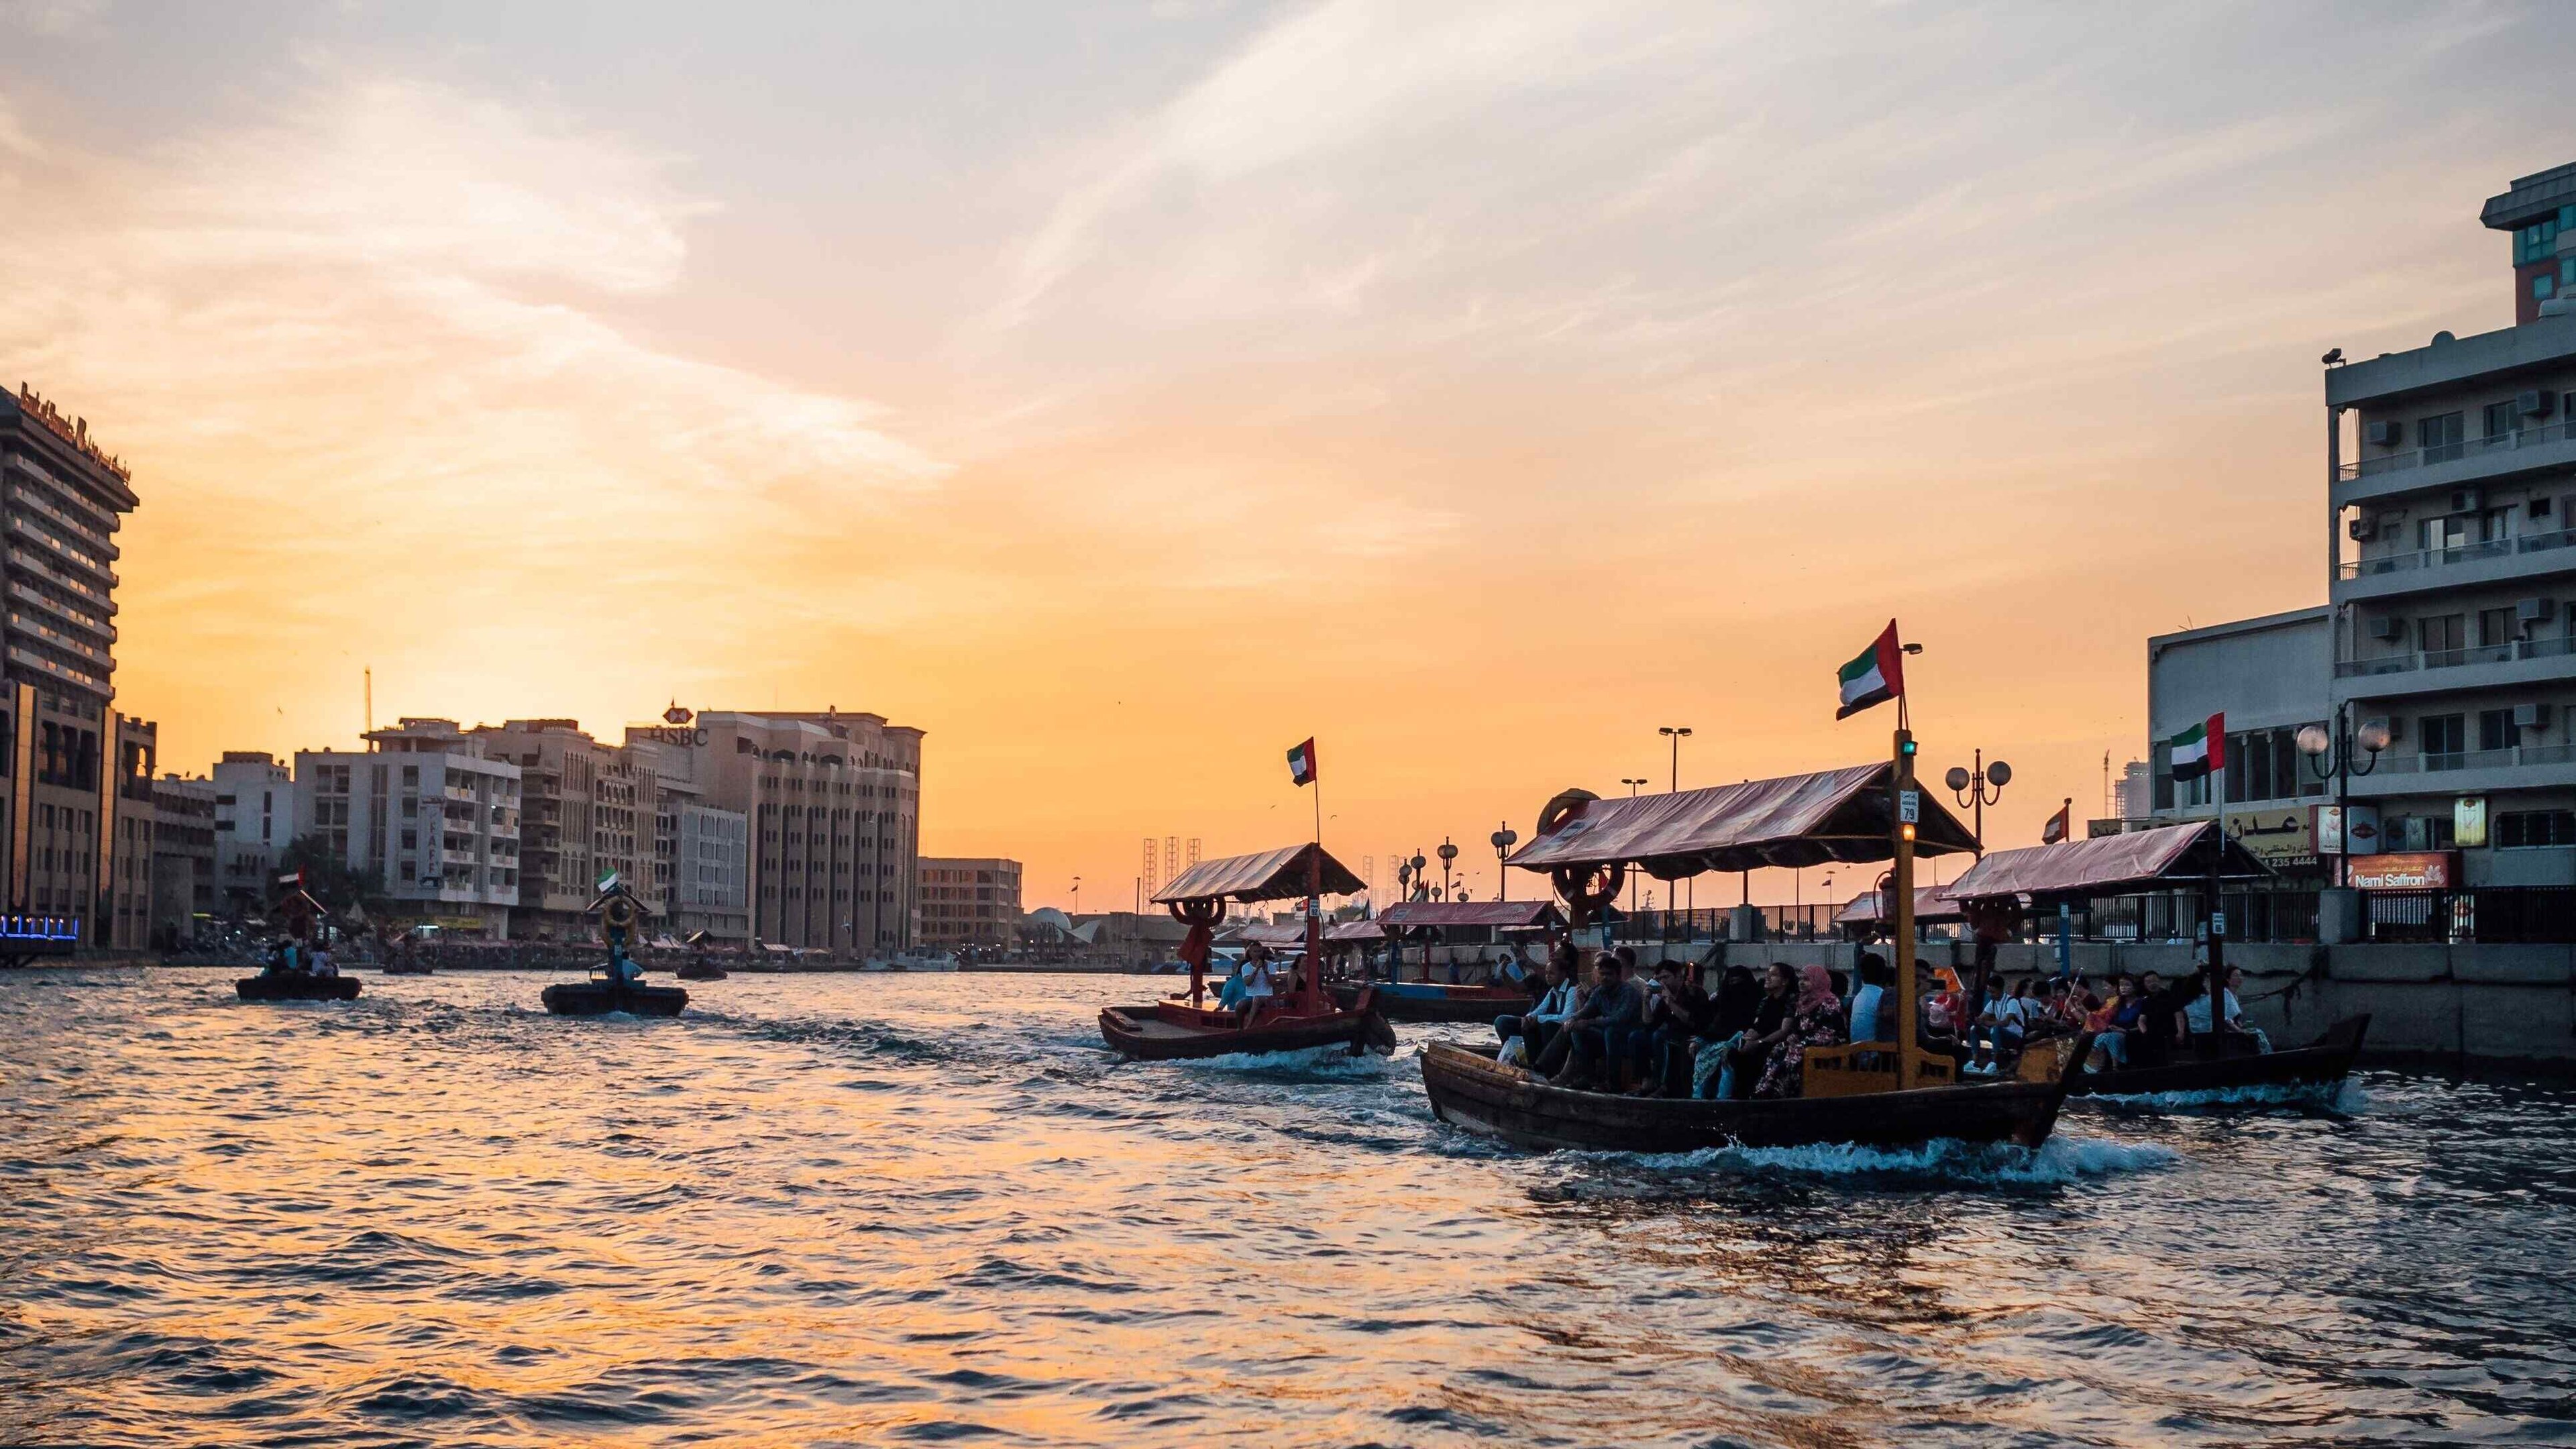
(866, 1210)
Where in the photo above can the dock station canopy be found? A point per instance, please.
(1270, 875)
(1501, 915)
(1796, 820)
(2167, 858)
(1934, 904)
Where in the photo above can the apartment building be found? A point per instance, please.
(183, 857)
(589, 809)
(2452, 470)
(428, 813)
(254, 823)
(701, 871)
(832, 802)
(969, 901)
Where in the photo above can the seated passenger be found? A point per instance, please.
(2197, 1012)
(1816, 1020)
(1260, 982)
(1582, 1049)
(1538, 1026)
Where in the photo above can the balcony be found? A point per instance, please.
(2469, 772)
(2487, 666)
(2488, 561)
(2473, 460)
(78, 618)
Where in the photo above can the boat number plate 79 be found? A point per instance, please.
(1909, 807)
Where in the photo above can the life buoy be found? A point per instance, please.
(618, 914)
(1585, 889)
(1561, 807)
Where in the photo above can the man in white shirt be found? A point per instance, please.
(1541, 1022)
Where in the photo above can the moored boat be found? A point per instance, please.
(2233, 1065)
(407, 967)
(700, 969)
(1427, 923)
(293, 986)
(1186, 1028)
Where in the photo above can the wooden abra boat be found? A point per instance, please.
(619, 913)
(408, 968)
(700, 970)
(600, 998)
(1470, 1089)
(296, 987)
(1428, 921)
(1186, 1028)
(2236, 1065)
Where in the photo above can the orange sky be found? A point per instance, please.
(1124, 397)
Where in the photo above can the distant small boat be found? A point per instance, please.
(911, 961)
(1169, 1031)
(599, 997)
(408, 968)
(296, 988)
(1420, 1001)
(700, 971)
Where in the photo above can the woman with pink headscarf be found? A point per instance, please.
(1816, 1020)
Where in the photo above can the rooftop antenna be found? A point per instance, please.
(371, 698)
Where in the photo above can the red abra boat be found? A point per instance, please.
(1178, 1030)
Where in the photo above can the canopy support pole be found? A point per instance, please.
(1909, 1052)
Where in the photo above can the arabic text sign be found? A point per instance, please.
(2426, 870)
(2285, 832)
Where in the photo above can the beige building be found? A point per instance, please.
(428, 813)
(969, 900)
(589, 810)
(701, 865)
(833, 805)
(183, 857)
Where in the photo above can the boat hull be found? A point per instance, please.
(1470, 1089)
(2326, 1062)
(700, 973)
(296, 988)
(600, 998)
(1426, 1001)
(397, 969)
(1169, 1032)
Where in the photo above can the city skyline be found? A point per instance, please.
(1475, 413)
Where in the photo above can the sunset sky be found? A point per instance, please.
(1124, 394)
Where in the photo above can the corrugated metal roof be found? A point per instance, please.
(2107, 865)
(1795, 820)
(1269, 875)
(1931, 903)
(1502, 914)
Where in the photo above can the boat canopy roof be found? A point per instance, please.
(1270, 875)
(1502, 915)
(1931, 903)
(1271, 933)
(2108, 865)
(1340, 931)
(1795, 820)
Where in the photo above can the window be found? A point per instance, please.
(2440, 633)
(2439, 535)
(2495, 729)
(2536, 241)
(2543, 286)
(2502, 418)
(411, 840)
(2495, 627)
(2444, 739)
(411, 774)
(2440, 436)
(2523, 829)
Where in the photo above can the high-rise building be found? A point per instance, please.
(832, 802)
(427, 813)
(701, 872)
(64, 749)
(589, 810)
(969, 901)
(254, 823)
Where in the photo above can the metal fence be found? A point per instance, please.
(2495, 915)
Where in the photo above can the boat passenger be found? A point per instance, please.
(323, 965)
(1540, 1023)
(1864, 1002)
(2160, 1026)
(1743, 1059)
(1615, 1005)
(1659, 1048)
(1816, 1020)
(2112, 1022)
(1735, 1007)
(2197, 1013)
(1260, 983)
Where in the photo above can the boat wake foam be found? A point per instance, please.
(2060, 1160)
(1330, 1060)
(2342, 1096)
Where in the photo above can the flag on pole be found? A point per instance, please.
(1876, 677)
(1301, 764)
(2200, 750)
(2059, 825)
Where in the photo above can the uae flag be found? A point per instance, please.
(1301, 764)
(2059, 824)
(1876, 677)
(2201, 749)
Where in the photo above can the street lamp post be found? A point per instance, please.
(1448, 852)
(2330, 754)
(1503, 839)
(1980, 787)
(1421, 880)
(1675, 733)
